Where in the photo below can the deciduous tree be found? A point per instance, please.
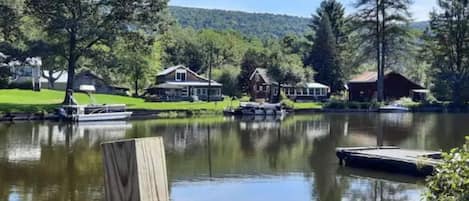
(81, 24)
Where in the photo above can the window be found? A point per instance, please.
(299, 92)
(292, 91)
(311, 92)
(317, 92)
(305, 91)
(180, 75)
(260, 88)
(323, 92)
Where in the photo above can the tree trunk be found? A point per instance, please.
(210, 73)
(51, 80)
(72, 60)
(378, 54)
(383, 54)
(136, 86)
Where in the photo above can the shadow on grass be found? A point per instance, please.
(29, 108)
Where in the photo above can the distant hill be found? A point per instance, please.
(261, 25)
(420, 25)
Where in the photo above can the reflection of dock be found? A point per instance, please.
(391, 159)
(376, 175)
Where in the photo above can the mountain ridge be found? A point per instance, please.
(252, 24)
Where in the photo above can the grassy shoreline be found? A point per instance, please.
(15, 100)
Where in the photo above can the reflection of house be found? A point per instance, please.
(88, 77)
(262, 86)
(179, 83)
(363, 87)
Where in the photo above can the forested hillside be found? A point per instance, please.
(250, 24)
(261, 25)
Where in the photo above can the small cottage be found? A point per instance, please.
(364, 87)
(179, 83)
(263, 88)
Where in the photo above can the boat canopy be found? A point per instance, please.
(87, 88)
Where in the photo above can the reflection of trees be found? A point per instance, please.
(378, 191)
(69, 166)
(328, 186)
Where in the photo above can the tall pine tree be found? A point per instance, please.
(383, 28)
(335, 11)
(325, 57)
(449, 38)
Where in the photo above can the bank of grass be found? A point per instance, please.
(14, 100)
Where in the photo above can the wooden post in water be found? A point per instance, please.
(135, 170)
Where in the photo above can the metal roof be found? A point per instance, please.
(262, 72)
(179, 85)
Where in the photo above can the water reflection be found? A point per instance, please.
(224, 158)
(54, 161)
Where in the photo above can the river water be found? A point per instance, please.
(224, 159)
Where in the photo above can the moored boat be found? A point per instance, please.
(257, 109)
(93, 112)
(394, 108)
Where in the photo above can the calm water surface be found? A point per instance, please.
(221, 159)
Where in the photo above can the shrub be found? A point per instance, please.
(286, 102)
(354, 105)
(336, 105)
(4, 77)
(351, 105)
(408, 102)
(245, 99)
(451, 181)
(21, 85)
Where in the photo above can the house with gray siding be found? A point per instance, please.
(179, 83)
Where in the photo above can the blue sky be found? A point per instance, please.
(304, 8)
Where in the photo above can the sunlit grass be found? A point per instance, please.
(14, 100)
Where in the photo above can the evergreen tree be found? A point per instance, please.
(335, 12)
(383, 29)
(325, 59)
(325, 56)
(449, 37)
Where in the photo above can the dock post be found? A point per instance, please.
(135, 170)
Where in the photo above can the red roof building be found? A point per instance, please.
(364, 86)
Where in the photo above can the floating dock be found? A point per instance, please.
(390, 159)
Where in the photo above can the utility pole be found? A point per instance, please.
(210, 73)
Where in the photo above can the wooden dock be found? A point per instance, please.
(135, 170)
(390, 159)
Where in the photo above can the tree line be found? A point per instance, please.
(128, 41)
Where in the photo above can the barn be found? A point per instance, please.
(364, 87)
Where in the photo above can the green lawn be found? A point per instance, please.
(307, 105)
(14, 100)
